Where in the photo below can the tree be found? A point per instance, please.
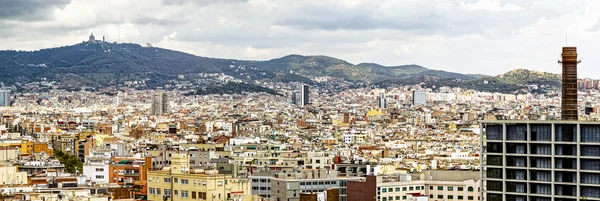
(72, 163)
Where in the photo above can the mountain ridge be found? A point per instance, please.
(99, 64)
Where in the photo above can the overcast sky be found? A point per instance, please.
(468, 36)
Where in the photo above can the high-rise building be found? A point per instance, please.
(419, 98)
(5, 98)
(159, 103)
(382, 102)
(569, 83)
(304, 95)
(540, 160)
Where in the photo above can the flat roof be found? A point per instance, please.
(538, 122)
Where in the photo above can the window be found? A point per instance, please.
(184, 181)
(157, 191)
(431, 196)
(418, 188)
(440, 197)
(450, 188)
(404, 197)
(204, 183)
(450, 197)
(430, 187)
(440, 188)
(390, 198)
(460, 188)
(397, 197)
(184, 194)
(176, 192)
(460, 197)
(219, 183)
(384, 198)
(403, 188)
(167, 180)
(470, 189)
(99, 176)
(167, 192)
(470, 198)
(411, 188)
(384, 190)
(99, 169)
(151, 191)
(175, 180)
(397, 189)
(390, 189)
(201, 195)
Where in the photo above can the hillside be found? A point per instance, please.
(515, 81)
(108, 64)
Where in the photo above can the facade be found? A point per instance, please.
(5, 98)
(289, 186)
(435, 185)
(381, 101)
(304, 95)
(541, 160)
(178, 182)
(159, 103)
(569, 84)
(419, 98)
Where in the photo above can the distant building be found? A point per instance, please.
(5, 98)
(304, 95)
(419, 98)
(382, 102)
(159, 103)
(92, 38)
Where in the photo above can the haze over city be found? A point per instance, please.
(484, 36)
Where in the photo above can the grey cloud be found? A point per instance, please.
(595, 27)
(200, 2)
(364, 22)
(29, 10)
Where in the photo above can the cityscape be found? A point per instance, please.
(103, 118)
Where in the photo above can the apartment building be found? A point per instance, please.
(288, 186)
(178, 182)
(541, 160)
(435, 185)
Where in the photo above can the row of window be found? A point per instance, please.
(450, 197)
(182, 194)
(319, 183)
(451, 188)
(185, 181)
(411, 188)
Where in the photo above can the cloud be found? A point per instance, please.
(29, 9)
(471, 36)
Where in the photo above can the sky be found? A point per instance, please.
(466, 36)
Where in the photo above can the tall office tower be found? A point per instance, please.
(294, 97)
(419, 98)
(540, 160)
(304, 96)
(5, 98)
(159, 103)
(569, 83)
(381, 101)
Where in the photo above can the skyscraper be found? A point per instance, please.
(381, 101)
(419, 98)
(5, 98)
(540, 160)
(569, 83)
(304, 95)
(159, 103)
